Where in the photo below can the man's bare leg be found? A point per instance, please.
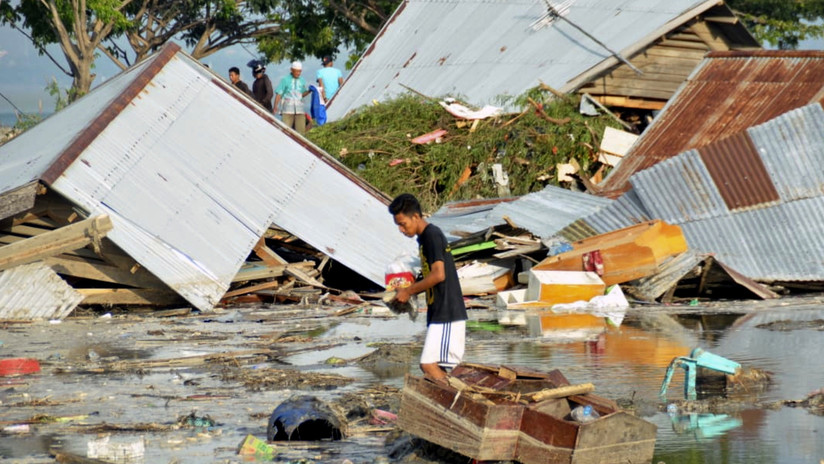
(434, 372)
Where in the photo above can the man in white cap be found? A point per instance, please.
(289, 98)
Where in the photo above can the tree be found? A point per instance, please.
(781, 23)
(78, 26)
(85, 29)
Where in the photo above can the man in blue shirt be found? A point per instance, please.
(290, 91)
(329, 78)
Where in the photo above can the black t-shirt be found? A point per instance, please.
(444, 300)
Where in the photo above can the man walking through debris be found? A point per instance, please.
(291, 90)
(262, 87)
(234, 76)
(446, 313)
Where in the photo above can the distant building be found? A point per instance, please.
(482, 50)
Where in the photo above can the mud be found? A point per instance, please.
(817, 324)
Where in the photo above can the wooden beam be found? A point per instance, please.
(113, 254)
(627, 102)
(258, 271)
(722, 19)
(267, 255)
(128, 296)
(715, 40)
(55, 242)
(252, 288)
(303, 277)
(18, 200)
(103, 272)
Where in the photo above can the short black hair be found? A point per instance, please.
(405, 203)
(234, 69)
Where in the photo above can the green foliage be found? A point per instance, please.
(62, 97)
(375, 143)
(781, 23)
(26, 121)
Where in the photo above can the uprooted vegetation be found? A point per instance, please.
(376, 143)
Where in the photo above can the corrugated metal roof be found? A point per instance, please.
(771, 240)
(33, 292)
(791, 148)
(543, 213)
(546, 212)
(437, 47)
(192, 173)
(471, 216)
(624, 212)
(782, 242)
(691, 195)
(728, 93)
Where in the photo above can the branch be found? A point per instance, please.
(42, 50)
(349, 14)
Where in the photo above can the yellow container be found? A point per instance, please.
(554, 287)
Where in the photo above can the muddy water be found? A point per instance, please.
(627, 364)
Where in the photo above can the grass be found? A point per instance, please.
(375, 143)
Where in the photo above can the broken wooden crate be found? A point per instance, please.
(622, 255)
(511, 413)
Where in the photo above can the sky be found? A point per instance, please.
(24, 74)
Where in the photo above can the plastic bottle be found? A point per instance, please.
(584, 414)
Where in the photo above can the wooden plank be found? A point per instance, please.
(303, 277)
(18, 200)
(252, 288)
(55, 242)
(258, 271)
(113, 254)
(685, 44)
(103, 272)
(711, 36)
(267, 255)
(128, 296)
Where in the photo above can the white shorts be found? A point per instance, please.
(444, 343)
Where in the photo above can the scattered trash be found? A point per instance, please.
(381, 417)
(463, 112)
(305, 418)
(584, 414)
(434, 136)
(703, 365)
(482, 278)
(18, 366)
(17, 429)
(105, 449)
(254, 447)
(193, 420)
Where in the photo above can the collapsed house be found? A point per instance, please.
(728, 93)
(158, 184)
(753, 199)
(630, 54)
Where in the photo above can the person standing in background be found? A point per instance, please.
(329, 78)
(290, 92)
(262, 87)
(234, 76)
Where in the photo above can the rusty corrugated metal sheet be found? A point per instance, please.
(738, 172)
(34, 292)
(728, 93)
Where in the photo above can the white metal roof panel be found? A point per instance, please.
(192, 177)
(34, 291)
(24, 159)
(482, 49)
